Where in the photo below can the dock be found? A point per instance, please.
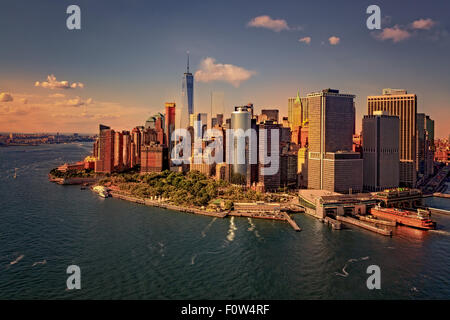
(336, 225)
(441, 195)
(292, 223)
(378, 221)
(364, 225)
(439, 211)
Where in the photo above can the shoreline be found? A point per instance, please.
(223, 214)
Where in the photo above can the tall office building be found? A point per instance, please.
(240, 119)
(295, 111)
(267, 142)
(425, 145)
(105, 160)
(187, 92)
(380, 151)
(332, 165)
(169, 123)
(399, 103)
(118, 151)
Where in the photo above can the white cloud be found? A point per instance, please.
(52, 83)
(267, 22)
(333, 40)
(212, 71)
(77, 102)
(423, 24)
(6, 97)
(306, 40)
(396, 34)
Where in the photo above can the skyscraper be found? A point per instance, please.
(380, 151)
(187, 93)
(295, 111)
(240, 119)
(332, 165)
(399, 103)
(170, 123)
(105, 161)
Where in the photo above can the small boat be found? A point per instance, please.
(15, 173)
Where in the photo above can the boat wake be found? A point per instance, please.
(252, 225)
(344, 272)
(17, 259)
(231, 234)
(39, 262)
(442, 232)
(207, 227)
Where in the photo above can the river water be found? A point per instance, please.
(130, 251)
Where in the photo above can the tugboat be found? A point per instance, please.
(420, 219)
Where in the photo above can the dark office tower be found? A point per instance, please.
(214, 122)
(118, 151)
(332, 165)
(269, 182)
(105, 161)
(399, 103)
(220, 119)
(187, 91)
(425, 145)
(270, 114)
(380, 151)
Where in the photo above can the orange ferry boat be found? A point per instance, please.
(420, 219)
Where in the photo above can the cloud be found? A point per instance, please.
(423, 24)
(334, 40)
(52, 83)
(212, 71)
(6, 97)
(267, 22)
(57, 95)
(396, 34)
(306, 40)
(77, 102)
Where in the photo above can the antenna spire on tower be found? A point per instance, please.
(187, 61)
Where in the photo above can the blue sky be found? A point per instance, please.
(130, 56)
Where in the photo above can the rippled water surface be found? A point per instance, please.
(130, 251)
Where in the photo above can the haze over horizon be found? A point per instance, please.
(129, 57)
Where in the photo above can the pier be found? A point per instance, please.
(439, 211)
(364, 225)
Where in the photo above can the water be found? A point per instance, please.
(130, 251)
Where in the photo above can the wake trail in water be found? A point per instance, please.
(252, 225)
(39, 262)
(207, 227)
(232, 228)
(349, 261)
(17, 259)
(442, 232)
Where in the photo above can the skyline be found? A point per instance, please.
(261, 54)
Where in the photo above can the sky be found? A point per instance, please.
(129, 57)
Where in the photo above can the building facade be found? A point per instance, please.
(380, 151)
(403, 105)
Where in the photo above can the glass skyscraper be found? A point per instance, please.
(187, 93)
